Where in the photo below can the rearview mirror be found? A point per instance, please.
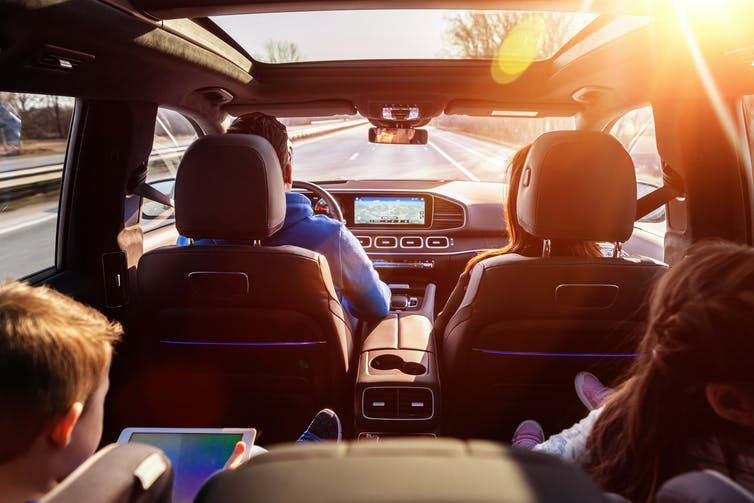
(398, 136)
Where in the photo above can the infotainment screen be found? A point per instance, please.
(389, 210)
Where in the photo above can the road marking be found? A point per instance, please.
(508, 151)
(30, 223)
(354, 156)
(455, 163)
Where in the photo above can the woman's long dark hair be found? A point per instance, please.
(700, 330)
(520, 241)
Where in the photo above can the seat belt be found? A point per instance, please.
(145, 190)
(138, 186)
(672, 187)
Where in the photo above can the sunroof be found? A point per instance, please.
(403, 34)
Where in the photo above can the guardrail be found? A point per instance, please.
(27, 181)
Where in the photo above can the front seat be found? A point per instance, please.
(402, 471)
(236, 330)
(527, 325)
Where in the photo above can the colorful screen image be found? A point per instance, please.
(195, 457)
(389, 211)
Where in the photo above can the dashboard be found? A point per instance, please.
(450, 218)
(419, 232)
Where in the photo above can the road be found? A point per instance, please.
(27, 235)
(447, 155)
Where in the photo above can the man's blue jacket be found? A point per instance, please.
(358, 285)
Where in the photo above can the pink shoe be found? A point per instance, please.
(528, 434)
(590, 390)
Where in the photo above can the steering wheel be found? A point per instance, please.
(332, 204)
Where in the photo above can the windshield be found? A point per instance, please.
(402, 34)
(459, 148)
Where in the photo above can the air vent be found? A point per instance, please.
(398, 404)
(380, 403)
(64, 60)
(415, 403)
(447, 215)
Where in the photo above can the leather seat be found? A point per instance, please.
(244, 329)
(527, 325)
(706, 486)
(127, 473)
(402, 471)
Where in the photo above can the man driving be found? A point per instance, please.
(356, 282)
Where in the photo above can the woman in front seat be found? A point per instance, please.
(519, 242)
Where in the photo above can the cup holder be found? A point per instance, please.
(395, 362)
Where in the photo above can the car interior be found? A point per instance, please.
(113, 119)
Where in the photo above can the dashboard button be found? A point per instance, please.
(411, 242)
(438, 242)
(386, 242)
(366, 241)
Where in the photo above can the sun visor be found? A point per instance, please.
(321, 108)
(484, 108)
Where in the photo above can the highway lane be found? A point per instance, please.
(27, 240)
(27, 235)
(14, 163)
(448, 156)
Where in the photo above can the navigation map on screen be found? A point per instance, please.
(389, 211)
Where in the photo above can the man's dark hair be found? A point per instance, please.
(267, 127)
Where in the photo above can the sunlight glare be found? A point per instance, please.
(722, 111)
(519, 49)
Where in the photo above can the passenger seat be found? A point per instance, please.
(527, 325)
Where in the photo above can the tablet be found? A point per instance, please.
(196, 453)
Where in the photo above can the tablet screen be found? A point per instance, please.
(195, 457)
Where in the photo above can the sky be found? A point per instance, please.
(353, 35)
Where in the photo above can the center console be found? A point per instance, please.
(398, 384)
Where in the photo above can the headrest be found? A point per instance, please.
(229, 186)
(577, 185)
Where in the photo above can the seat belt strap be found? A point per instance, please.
(145, 190)
(672, 187)
(650, 202)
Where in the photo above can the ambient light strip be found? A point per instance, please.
(248, 344)
(574, 355)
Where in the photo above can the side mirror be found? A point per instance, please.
(398, 136)
(155, 210)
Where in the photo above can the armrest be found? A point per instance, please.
(401, 331)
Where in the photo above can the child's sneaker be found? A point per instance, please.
(324, 426)
(528, 434)
(590, 390)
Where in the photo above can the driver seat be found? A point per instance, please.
(259, 328)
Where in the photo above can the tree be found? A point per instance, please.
(20, 103)
(61, 129)
(479, 34)
(281, 51)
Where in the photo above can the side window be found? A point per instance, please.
(173, 133)
(636, 131)
(34, 132)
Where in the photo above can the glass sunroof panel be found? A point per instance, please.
(402, 34)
